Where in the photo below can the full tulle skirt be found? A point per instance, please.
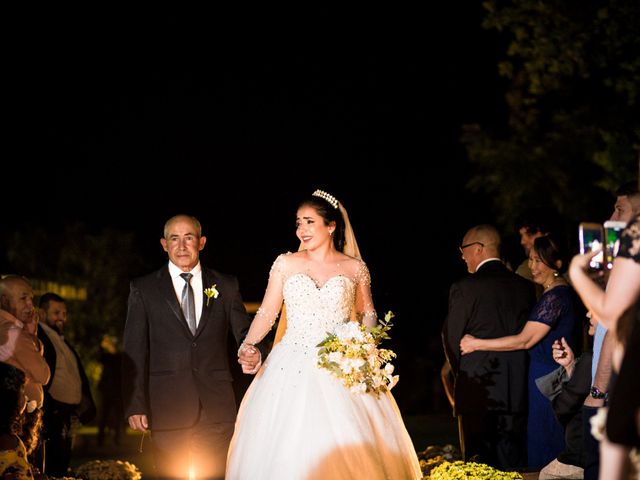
(298, 422)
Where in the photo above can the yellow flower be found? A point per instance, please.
(470, 470)
(211, 292)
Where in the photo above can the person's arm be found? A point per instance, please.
(455, 324)
(603, 370)
(365, 312)
(446, 375)
(623, 288)
(265, 316)
(135, 359)
(531, 334)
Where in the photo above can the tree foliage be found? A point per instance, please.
(103, 262)
(572, 133)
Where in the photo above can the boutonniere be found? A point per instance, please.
(211, 292)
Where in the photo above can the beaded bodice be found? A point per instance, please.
(314, 310)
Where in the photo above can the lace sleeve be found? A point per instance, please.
(365, 313)
(549, 308)
(630, 241)
(268, 312)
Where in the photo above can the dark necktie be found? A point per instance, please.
(188, 303)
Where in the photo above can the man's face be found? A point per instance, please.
(527, 238)
(56, 315)
(18, 301)
(471, 249)
(623, 210)
(183, 244)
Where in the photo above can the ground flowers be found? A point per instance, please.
(351, 354)
(108, 470)
(470, 471)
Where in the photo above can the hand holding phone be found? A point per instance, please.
(612, 232)
(591, 237)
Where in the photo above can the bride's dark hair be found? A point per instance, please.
(329, 214)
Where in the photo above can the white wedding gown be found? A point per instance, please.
(297, 422)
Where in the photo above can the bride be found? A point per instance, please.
(296, 421)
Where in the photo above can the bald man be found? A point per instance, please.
(490, 388)
(19, 345)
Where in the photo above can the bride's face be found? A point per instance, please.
(311, 228)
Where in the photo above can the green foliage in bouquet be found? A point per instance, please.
(352, 355)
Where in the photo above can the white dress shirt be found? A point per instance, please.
(196, 284)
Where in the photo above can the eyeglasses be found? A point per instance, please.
(462, 247)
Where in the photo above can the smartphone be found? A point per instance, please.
(612, 232)
(592, 239)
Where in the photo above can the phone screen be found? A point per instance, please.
(612, 230)
(591, 240)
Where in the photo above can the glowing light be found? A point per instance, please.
(192, 473)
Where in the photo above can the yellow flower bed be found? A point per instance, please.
(469, 471)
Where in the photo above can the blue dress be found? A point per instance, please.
(545, 436)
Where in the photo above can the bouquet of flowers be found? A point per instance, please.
(352, 355)
(108, 470)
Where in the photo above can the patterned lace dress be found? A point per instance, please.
(298, 422)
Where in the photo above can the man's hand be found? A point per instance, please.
(250, 359)
(467, 344)
(139, 422)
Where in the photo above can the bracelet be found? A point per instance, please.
(596, 393)
(243, 345)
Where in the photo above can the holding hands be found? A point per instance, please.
(250, 359)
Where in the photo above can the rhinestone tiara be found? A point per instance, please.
(326, 196)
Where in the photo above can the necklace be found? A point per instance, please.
(552, 283)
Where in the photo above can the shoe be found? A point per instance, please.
(555, 470)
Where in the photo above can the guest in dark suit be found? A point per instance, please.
(176, 377)
(67, 397)
(490, 388)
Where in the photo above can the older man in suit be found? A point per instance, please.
(490, 388)
(176, 377)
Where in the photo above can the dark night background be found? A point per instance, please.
(240, 124)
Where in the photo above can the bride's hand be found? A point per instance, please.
(250, 359)
(466, 344)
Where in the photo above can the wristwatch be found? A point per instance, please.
(596, 393)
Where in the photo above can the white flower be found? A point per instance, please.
(335, 357)
(212, 291)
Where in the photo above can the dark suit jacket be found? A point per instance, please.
(168, 372)
(86, 410)
(491, 303)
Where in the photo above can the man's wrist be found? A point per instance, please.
(595, 392)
